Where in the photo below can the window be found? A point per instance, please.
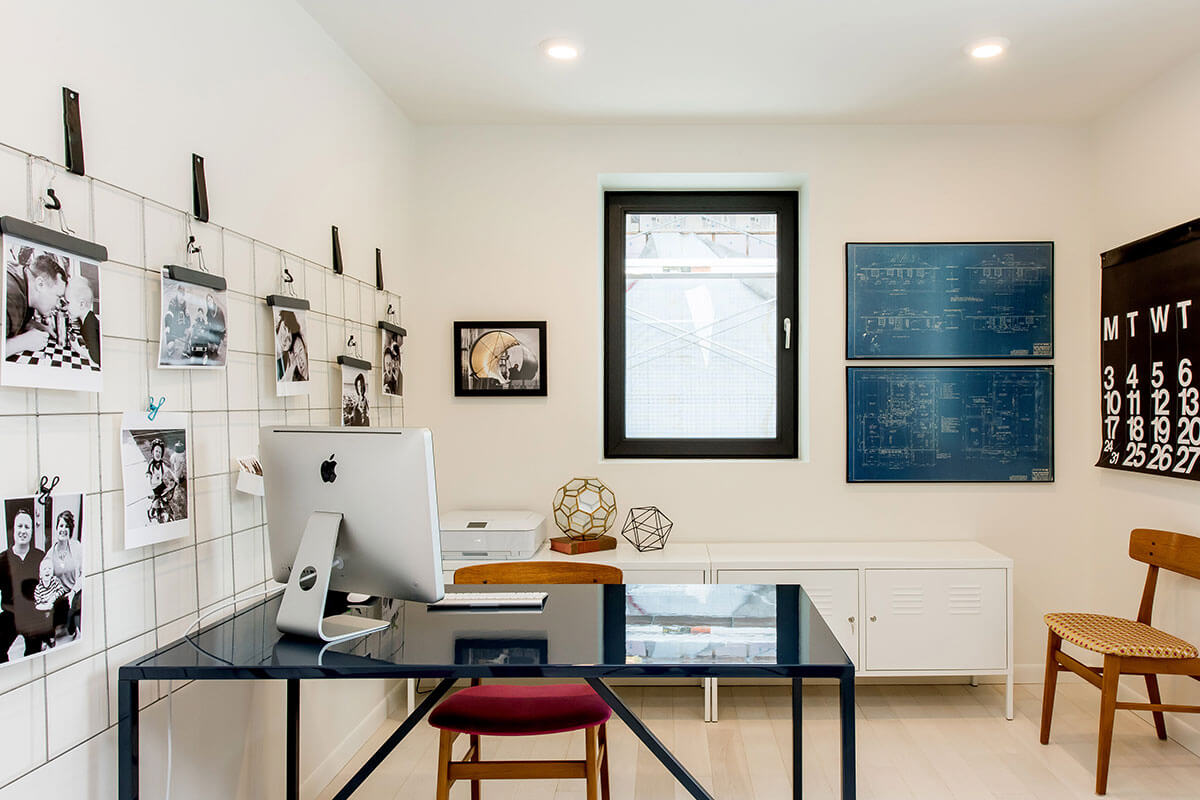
(700, 326)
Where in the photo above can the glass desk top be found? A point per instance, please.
(702, 630)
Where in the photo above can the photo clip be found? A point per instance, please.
(352, 345)
(287, 281)
(154, 407)
(52, 202)
(45, 487)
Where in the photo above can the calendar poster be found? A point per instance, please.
(1150, 355)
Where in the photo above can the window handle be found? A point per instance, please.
(787, 333)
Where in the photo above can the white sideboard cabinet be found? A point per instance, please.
(899, 609)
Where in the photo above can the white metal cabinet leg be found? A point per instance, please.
(412, 694)
(1008, 696)
(713, 711)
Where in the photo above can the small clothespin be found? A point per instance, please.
(154, 408)
(45, 488)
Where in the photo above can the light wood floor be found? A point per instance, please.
(914, 743)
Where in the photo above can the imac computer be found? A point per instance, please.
(352, 510)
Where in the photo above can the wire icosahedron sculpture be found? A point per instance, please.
(647, 528)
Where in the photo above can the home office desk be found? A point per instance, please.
(590, 632)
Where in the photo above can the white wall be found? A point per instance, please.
(296, 138)
(509, 228)
(1147, 178)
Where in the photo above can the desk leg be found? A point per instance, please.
(388, 746)
(651, 741)
(293, 739)
(846, 693)
(797, 738)
(127, 739)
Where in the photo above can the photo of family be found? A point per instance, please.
(193, 331)
(154, 464)
(392, 348)
(291, 352)
(52, 318)
(356, 412)
(41, 575)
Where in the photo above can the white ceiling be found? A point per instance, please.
(760, 60)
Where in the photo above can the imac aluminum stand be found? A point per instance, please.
(302, 611)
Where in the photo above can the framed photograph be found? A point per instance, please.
(193, 330)
(391, 349)
(500, 359)
(356, 391)
(501, 651)
(41, 572)
(950, 300)
(950, 424)
(52, 309)
(154, 464)
(291, 351)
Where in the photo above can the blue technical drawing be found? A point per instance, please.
(970, 424)
(950, 300)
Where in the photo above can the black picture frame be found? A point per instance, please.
(472, 334)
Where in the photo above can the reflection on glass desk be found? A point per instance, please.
(590, 631)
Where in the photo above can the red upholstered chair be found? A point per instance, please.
(502, 710)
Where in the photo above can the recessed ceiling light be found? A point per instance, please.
(988, 48)
(560, 49)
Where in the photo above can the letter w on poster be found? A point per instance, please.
(154, 461)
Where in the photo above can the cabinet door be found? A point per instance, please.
(834, 593)
(936, 619)
(636, 575)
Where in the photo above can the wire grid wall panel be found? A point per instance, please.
(137, 600)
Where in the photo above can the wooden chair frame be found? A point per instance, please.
(594, 766)
(1175, 552)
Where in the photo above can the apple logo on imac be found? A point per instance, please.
(328, 470)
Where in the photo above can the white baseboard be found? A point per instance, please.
(327, 770)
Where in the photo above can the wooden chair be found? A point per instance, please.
(1130, 647)
(503, 710)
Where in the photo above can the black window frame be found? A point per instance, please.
(785, 205)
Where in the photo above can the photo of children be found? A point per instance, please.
(154, 463)
(291, 352)
(52, 318)
(41, 575)
(392, 348)
(355, 389)
(193, 331)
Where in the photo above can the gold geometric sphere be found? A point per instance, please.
(584, 508)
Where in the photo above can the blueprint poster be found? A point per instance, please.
(1150, 355)
(950, 300)
(971, 424)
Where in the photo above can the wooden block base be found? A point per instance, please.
(574, 547)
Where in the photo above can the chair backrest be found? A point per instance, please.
(520, 572)
(1176, 552)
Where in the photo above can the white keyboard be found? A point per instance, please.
(490, 600)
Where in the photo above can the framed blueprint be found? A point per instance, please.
(950, 424)
(950, 300)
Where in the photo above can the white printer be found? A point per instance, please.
(491, 535)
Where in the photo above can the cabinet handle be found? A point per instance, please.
(851, 621)
(787, 333)
(873, 619)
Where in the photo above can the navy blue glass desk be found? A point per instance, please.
(590, 632)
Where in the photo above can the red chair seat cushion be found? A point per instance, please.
(500, 710)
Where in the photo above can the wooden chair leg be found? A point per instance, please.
(604, 762)
(445, 745)
(1049, 684)
(473, 743)
(589, 757)
(1108, 711)
(1160, 723)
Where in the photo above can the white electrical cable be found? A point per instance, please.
(171, 682)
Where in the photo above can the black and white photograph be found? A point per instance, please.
(41, 575)
(500, 358)
(391, 366)
(291, 351)
(154, 463)
(356, 389)
(52, 317)
(501, 651)
(193, 330)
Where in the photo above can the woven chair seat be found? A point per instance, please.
(1119, 637)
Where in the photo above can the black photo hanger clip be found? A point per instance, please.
(45, 487)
